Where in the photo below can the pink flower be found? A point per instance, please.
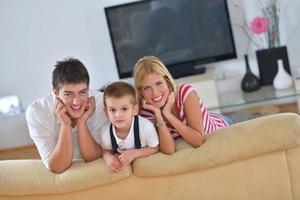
(259, 25)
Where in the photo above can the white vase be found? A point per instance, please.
(282, 80)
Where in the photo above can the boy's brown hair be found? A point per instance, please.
(119, 89)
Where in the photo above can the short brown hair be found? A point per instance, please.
(69, 70)
(119, 89)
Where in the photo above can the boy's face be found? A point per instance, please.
(75, 97)
(120, 112)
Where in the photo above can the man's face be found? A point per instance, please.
(75, 97)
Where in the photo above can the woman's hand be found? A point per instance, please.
(169, 104)
(150, 107)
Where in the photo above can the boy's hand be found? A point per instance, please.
(62, 113)
(126, 156)
(113, 163)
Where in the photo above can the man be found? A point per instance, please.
(64, 125)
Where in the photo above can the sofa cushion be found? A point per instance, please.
(293, 160)
(237, 142)
(81, 175)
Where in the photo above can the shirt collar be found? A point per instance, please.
(129, 136)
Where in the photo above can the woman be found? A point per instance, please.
(176, 110)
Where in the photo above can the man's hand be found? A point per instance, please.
(61, 157)
(89, 110)
(127, 156)
(62, 113)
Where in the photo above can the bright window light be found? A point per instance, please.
(10, 105)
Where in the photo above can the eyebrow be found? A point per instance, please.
(122, 106)
(67, 91)
(86, 89)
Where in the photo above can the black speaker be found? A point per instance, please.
(267, 63)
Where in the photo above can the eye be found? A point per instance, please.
(159, 83)
(112, 110)
(124, 109)
(67, 94)
(146, 88)
(84, 93)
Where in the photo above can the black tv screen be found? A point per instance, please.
(184, 34)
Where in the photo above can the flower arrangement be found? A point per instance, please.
(263, 30)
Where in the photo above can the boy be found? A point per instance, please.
(64, 125)
(127, 136)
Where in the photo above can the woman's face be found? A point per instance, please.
(155, 90)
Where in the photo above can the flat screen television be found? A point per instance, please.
(184, 34)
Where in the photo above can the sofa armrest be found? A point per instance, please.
(237, 142)
(25, 177)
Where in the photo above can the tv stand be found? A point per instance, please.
(205, 86)
(186, 69)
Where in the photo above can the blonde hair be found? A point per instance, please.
(119, 89)
(148, 65)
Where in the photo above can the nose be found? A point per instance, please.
(155, 91)
(117, 113)
(76, 100)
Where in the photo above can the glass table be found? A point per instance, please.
(266, 95)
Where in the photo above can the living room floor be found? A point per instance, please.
(31, 152)
(259, 111)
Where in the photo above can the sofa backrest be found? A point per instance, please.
(237, 142)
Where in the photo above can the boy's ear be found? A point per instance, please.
(136, 109)
(105, 112)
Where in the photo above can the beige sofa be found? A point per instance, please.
(257, 159)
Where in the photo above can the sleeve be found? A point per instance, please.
(185, 91)
(104, 141)
(150, 134)
(99, 119)
(44, 137)
(147, 114)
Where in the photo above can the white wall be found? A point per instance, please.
(289, 24)
(14, 132)
(289, 32)
(34, 34)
